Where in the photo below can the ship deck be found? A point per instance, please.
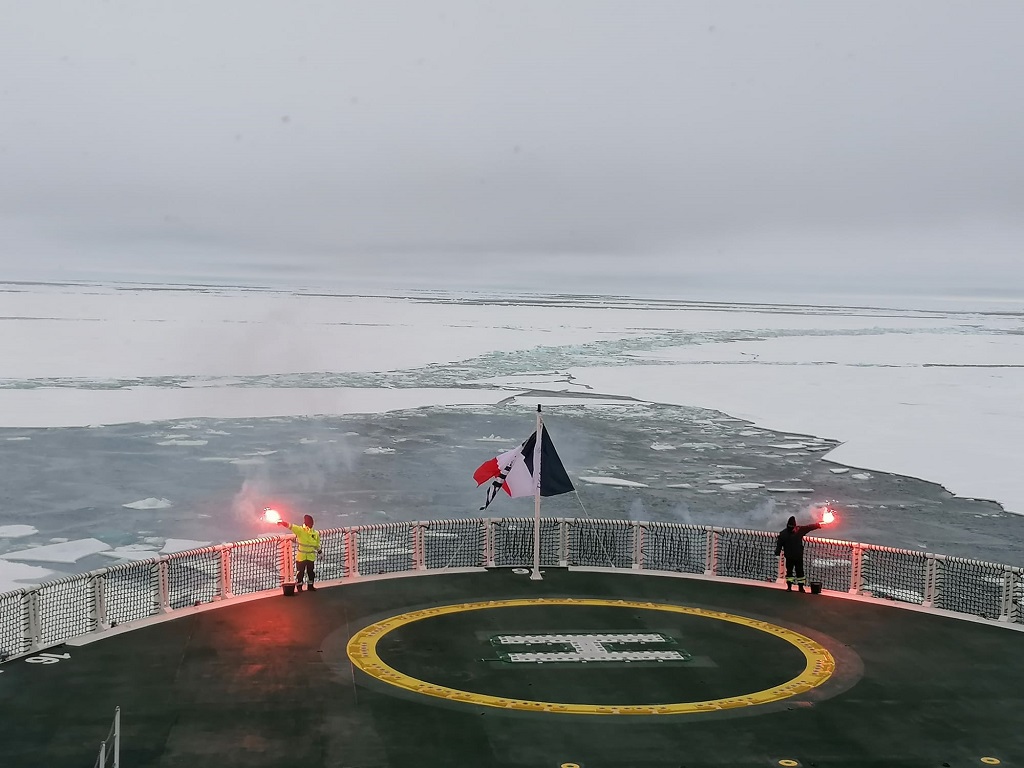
(491, 668)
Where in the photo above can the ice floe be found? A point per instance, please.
(616, 481)
(132, 552)
(149, 503)
(20, 576)
(16, 531)
(65, 552)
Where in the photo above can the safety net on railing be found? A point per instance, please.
(193, 577)
(131, 591)
(674, 547)
(970, 586)
(742, 554)
(66, 608)
(255, 566)
(600, 543)
(332, 562)
(453, 543)
(513, 541)
(893, 574)
(13, 629)
(384, 548)
(77, 605)
(829, 562)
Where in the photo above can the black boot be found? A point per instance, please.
(298, 587)
(311, 587)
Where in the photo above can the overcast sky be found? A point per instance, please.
(869, 145)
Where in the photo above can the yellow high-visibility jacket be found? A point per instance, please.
(308, 540)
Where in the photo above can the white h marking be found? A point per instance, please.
(590, 647)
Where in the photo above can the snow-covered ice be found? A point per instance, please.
(615, 481)
(928, 394)
(65, 552)
(149, 503)
(20, 575)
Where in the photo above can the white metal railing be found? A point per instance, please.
(39, 617)
(110, 747)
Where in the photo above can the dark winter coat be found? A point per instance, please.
(791, 540)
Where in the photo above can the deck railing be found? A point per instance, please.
(36, 618)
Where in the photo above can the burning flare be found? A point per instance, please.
(828, 516)
(271, 515)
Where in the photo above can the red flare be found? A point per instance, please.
(271, 515)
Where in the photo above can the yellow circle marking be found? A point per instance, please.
(990, 760)
(570, 765)
(788, 762)
(362, 651)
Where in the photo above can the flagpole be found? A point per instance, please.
(535, 575)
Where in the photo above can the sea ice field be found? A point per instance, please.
(140, 419)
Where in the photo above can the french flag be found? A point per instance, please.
(512, 471)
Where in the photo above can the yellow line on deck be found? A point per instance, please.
(362, 650)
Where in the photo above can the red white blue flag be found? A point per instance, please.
(513, 471)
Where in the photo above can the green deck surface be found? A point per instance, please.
(269, 682)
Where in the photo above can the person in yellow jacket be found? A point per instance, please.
(308, 541)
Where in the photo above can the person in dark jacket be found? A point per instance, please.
(791, 542)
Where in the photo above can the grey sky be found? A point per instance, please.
(818, 144)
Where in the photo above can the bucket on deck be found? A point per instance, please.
(288, 589)
(815, 587)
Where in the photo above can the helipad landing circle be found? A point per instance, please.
(362, 651)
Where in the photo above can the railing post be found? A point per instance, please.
(287, 560)
(563, 542)
(99, 615)
(224, 551)
(32, 629)
(352, 551)
(164, 585)
(856, 569)
(419, 560)
(932, 587)
(638, 545)
(1006, 602)
(488, 559)
(711, 554)
(117, 738)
